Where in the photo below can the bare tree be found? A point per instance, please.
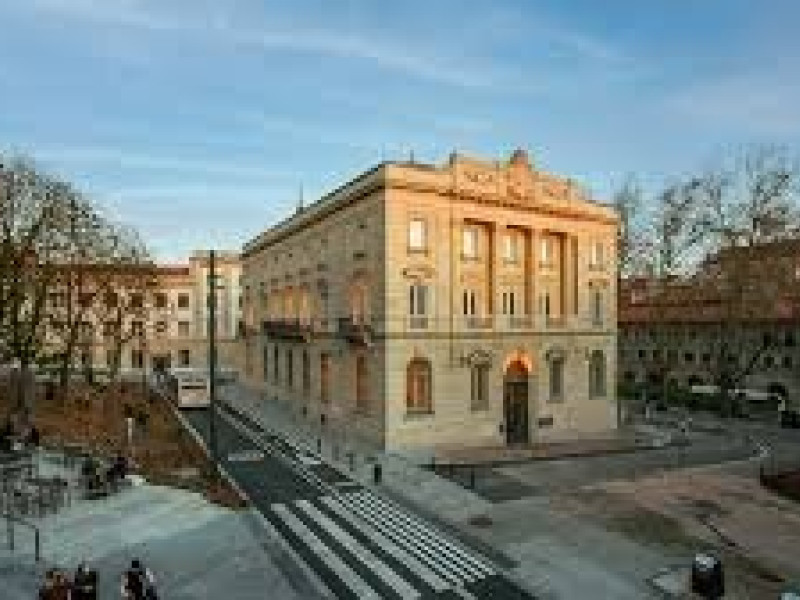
(56, 252)
(748, 215)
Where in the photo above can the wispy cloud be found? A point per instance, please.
(455, 66)
(220, 26)
(103, 157)
(762, 103)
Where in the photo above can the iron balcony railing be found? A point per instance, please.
(355, 329)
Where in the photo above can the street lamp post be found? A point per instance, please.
(212, 360)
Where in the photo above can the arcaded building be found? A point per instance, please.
(468, 303)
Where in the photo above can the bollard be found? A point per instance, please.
(319, 446)
(377, 473)
(472, 477)
(37, 548)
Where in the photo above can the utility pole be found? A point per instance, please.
(212, 361)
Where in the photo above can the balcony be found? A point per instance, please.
(355, 330)
(473, 322)
(418, 322)
(521, 322)
(556, 322)
(286, 329)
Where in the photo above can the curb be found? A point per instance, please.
(270, 531)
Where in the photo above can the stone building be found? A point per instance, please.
(153, 316)
(469, 303)
(678, 332)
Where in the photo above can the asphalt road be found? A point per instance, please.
(357, 543)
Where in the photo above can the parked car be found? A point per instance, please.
(790, 419)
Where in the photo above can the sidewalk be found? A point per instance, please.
(198, 551)
(401, 476)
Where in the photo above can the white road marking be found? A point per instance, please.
(424, 573)
(392, 579)
(345, 574)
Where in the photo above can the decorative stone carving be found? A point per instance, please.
(419, 272)
(477, 357)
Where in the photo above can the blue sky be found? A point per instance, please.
(196, 121)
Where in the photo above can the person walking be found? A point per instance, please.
(84, 584)
(46, 590)
(138, 583)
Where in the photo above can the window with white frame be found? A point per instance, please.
(597, 306)
(418, 300)
(545, 251)
(511, 247)
(417, 234)
(470, 303)
(509, 302)
(556, 378)
(479, 375)
(596, 255)
(183, 328)
(469, 248)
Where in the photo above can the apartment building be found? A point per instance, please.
(154, 316)
(678, 333)
(467, 303)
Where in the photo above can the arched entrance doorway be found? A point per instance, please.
(515, 403)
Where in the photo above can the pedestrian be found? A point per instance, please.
(46, 590)
(62, 588)
(34, 437)
(84, 584)
(138, 583)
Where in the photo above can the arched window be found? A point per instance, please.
(418, 386)
(362, 384)
(597, 375)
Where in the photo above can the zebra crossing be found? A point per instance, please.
(376, 549)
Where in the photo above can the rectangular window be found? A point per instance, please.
(137, 328)
(545, 257)
(160, 300)
(509, 303)
(418, 300)
(86, 300)
(511, 247)
(470, 242)
(161, 327)
(417, 235)
(111, 300)
(137, 360)
(597, 307)
(470, 304)
(556, 379)
(306, 372)
(109, 329)
(324, 376)
(183, 328)
(596, 256)
(184, 358)
(136, 301)
(183, 300)
(480, 387)
(289, 368)
(362, 385)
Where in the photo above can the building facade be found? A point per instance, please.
(676, 334)
(471, 303)
(151, 317)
